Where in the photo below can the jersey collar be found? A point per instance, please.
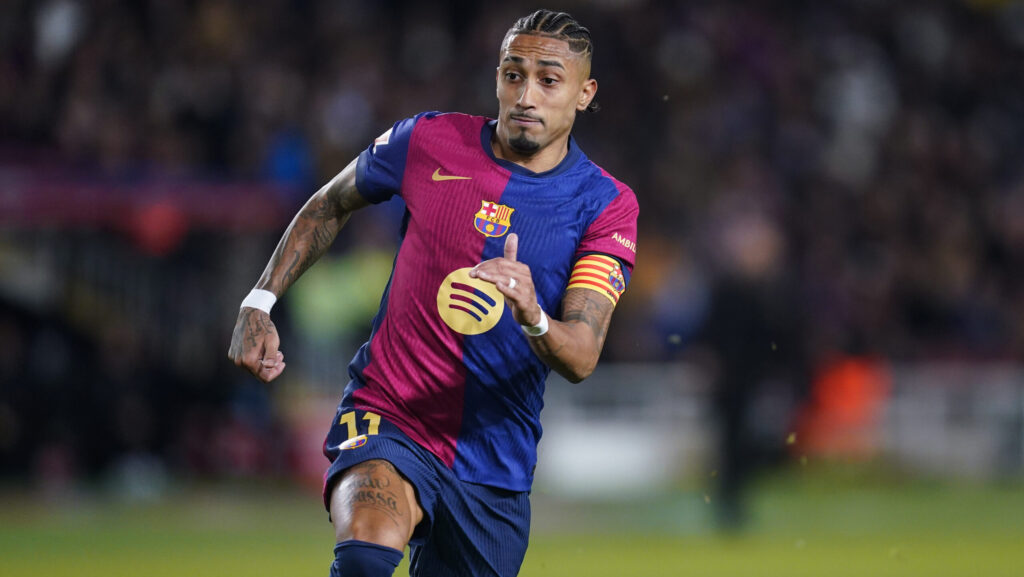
(487, 132)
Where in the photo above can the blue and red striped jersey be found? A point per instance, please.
(446, 362)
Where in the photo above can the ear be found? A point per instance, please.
(587, 93)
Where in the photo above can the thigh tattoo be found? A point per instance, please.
(373, 485)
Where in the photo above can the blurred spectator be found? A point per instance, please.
(751, 333)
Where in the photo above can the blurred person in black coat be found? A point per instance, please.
(749, 339)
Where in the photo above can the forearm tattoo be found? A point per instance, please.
(572, 356)
(590, 308)
(312, 231)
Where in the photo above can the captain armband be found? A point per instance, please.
(599, 273)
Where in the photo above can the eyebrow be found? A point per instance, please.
(520, 60)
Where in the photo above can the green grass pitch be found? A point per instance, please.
(797, 529)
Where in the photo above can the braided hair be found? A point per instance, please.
(561, 26)
(555, 25)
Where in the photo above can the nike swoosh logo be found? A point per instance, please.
(438, 177)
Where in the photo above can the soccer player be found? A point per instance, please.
(515, 249)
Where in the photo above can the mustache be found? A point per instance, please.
(525, 116)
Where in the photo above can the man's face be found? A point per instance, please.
(541, 85)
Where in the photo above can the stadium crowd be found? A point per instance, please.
(860, 162)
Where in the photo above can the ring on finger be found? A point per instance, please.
(511, 283)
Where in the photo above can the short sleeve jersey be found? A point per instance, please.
(446, 362)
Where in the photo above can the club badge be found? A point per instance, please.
(493, 219)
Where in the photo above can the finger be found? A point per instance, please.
(270, 373)
(484, 276)
(270, 368)
(511, 246)
(483, 272)
(270, 345)
(252, 360)
(511, 289)
(504, 290)
(481, 269)
(270, 362)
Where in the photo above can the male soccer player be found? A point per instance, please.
(507, 222)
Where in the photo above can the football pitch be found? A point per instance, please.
(796, 529)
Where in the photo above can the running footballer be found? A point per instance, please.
(515, 250)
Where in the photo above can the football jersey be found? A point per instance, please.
(446, 362)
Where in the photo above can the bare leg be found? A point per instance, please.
(372, 502)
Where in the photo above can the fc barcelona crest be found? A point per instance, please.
(616, 280)
(493, 219)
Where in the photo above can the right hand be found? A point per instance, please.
(502, 271)
(254, 345)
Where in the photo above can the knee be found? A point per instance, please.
(372, 528)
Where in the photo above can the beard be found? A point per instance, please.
(522, 144)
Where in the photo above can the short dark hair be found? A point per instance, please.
(558, 25)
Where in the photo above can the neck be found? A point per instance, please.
(542, 160)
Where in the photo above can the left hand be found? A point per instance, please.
(512, 279)
(254, 345)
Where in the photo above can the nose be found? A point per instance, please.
(526, 94)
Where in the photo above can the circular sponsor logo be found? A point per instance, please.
(467, 305)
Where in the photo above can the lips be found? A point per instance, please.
(525, 120)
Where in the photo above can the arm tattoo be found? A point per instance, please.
(591, 308)
(294, 269)
(574, 354)
(322, 223)
(255, 324)
(312, 231)
(262, 325)
(321, 215)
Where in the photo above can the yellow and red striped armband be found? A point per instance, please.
(600, 273)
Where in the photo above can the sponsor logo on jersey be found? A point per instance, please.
(624, 241)
(438, 177)
(353, 443)
(493, 219)
(467, 305)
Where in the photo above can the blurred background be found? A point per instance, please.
(816, 369)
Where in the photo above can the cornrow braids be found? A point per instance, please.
(555, 25)
(558, 25)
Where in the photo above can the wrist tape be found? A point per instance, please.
(538, 329)
(259, 299)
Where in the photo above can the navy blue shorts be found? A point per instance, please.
(467, 529)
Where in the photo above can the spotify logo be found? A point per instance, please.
(469, 306)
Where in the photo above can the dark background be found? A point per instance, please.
(819, 182)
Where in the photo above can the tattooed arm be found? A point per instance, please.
(254, 343)
(571, 346)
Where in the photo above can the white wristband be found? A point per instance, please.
(538, 329)
(259, 299)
